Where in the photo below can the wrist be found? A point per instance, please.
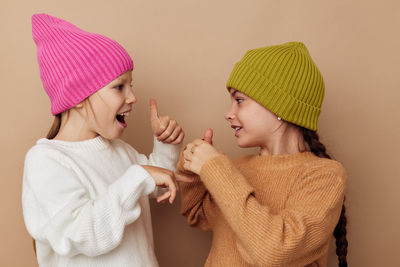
(209, 159)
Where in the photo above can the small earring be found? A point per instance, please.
(279, 118)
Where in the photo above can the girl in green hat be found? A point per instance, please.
(281, 206)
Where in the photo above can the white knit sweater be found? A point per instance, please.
(86, 203)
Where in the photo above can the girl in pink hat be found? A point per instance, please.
(85, 191)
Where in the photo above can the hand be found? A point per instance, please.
(163, 178)
(166, 130)
(199, 152)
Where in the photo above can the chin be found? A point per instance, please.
(246, 144)
(243, 144)
(112, 136)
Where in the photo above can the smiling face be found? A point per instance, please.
(254, 125)
(105, 110)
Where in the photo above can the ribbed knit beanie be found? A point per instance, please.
(74, 63)
(284, 79)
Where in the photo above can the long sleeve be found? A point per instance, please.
(60, 210)
(196, 204)
(289, 237)
(163, 156)
(196, 201)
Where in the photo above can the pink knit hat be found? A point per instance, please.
(74, 63)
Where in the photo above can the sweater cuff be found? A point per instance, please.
(224, 181)
(166, 152)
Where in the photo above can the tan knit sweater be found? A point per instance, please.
(266, 210)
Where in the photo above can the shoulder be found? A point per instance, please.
(324, 169)
(44, 166)
(43, 151)
(44, 156)
(324, 164)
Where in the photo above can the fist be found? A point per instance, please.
(198, 152)
(164, 128)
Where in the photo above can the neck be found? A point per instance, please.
(288, 140)
(73, 127)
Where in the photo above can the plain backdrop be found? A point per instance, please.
(184, 51)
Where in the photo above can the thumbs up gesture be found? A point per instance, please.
(199, 152)
(164, 128)
(208, 135)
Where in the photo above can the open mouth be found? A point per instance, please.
(121, 118)
(236, 128)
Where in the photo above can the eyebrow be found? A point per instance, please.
(234, 92)
(121, 80)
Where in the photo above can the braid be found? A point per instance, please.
(318, 149)
(341, 242)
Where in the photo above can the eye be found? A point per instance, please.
(119, 87)
(239, 100)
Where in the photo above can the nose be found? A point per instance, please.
(130, 98)
(229, 115)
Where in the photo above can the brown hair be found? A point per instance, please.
(55, 127)
(318, 149)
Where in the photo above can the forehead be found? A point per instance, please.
(126, 77)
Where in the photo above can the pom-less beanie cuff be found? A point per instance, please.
(286, 83)
(74, 63)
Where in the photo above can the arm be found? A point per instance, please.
(196, 201)
(294, 234)
(164, 157)
(59, 210)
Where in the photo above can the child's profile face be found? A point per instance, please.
(108, 107)
(254, 125)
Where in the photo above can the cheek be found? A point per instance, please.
(101, 117)
(263, 121)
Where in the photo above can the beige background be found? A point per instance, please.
(184, 51)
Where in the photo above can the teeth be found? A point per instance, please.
(237, 128)
(124, 114)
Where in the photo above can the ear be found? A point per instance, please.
(79, 105)
(79, 108)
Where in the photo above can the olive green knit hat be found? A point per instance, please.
(284, 79)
